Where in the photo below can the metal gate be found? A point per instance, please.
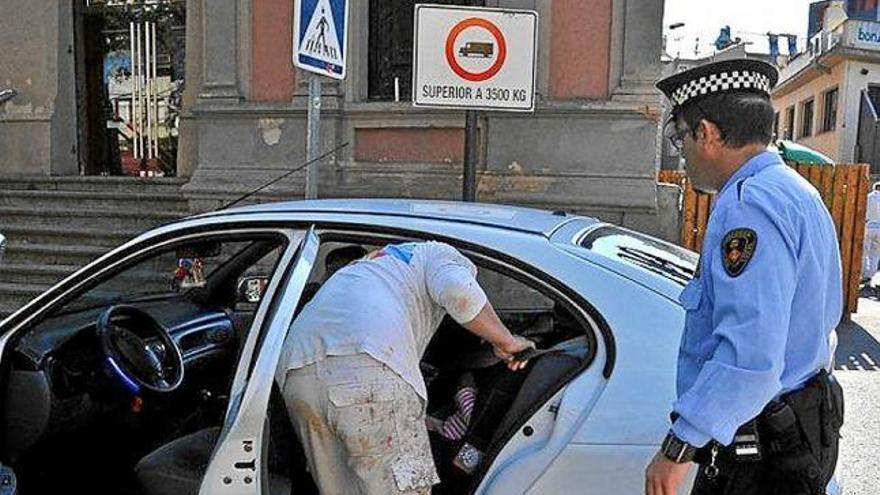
(129, 83)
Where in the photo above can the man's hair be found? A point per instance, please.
(742, 118)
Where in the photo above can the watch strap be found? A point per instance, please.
(677, 450)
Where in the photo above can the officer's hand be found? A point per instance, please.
(663, 476)
(514, 345)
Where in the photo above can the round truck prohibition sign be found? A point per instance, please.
(485, 49)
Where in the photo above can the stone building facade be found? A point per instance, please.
(589, 146)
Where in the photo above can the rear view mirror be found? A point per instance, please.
(251, 289)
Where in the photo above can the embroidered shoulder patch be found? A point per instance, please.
(737, 250)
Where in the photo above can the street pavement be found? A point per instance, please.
(858, 370)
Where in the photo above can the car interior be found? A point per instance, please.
(123, 387)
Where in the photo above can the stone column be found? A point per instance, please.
(38, 126)
(642, 42)
(220, 50)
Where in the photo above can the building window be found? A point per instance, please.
(789, 123)
(829, 111)
(864, 5)
(775, 125)
(806, 129)
(391, 46)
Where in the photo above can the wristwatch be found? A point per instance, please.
(677, 450)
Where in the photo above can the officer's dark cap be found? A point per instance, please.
(728, 76)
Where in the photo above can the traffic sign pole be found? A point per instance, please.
(313, 136)
(320, 37)
(469, 183)
(486, 62)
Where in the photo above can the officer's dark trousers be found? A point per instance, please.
(796, 462)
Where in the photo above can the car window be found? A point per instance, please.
(508, 293)
(173, 271)
(643, 252)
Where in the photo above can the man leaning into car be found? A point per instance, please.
(349, 369)
(757, 408)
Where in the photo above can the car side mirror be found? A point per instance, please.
(251, 289)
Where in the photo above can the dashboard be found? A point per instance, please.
(59, 379)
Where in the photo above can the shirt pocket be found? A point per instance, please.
(362, 417)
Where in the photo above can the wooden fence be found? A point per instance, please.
(844, 188)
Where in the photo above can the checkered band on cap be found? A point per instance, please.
(719, 83)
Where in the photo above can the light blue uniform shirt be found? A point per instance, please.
(752, 337)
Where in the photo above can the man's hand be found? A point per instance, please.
(663, 476)
(512, 346)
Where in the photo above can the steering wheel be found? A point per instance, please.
(139, 351)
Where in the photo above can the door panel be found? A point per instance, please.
(526, 458)
(237, 465)
(600, 469)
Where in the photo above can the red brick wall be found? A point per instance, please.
(580, 48)
(272, 72)
(437, 145)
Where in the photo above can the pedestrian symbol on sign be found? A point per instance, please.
(319, 42)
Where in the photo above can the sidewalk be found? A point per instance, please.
(858, 370)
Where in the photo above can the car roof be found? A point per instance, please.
(507, 217)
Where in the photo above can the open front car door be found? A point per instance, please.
(238, 464)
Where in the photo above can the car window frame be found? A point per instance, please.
(237, 464)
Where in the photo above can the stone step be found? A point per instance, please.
(28, 273)
(103, 184)
(95, 200)
(16, 295)
(51, 254)
(27, 233)
(7, 308)
(118, 219)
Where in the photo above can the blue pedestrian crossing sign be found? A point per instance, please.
(320, 36)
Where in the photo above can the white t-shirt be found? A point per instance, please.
(388, 305)
(872, 213)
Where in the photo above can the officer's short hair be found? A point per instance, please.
(877, 186)
(741, 118)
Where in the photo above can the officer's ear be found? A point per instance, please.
(708, 133)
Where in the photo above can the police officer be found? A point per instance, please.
(757, 409)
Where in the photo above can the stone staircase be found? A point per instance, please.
(55, 225)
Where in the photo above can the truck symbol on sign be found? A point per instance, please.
(477, 48)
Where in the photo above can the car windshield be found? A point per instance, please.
(643, 252)
(165, 274)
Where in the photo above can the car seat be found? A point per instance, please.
(177, 467)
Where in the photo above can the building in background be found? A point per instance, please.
(827, 97)
(589, 145)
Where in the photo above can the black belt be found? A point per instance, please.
(775, 429)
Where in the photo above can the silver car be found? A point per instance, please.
(151, 369)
